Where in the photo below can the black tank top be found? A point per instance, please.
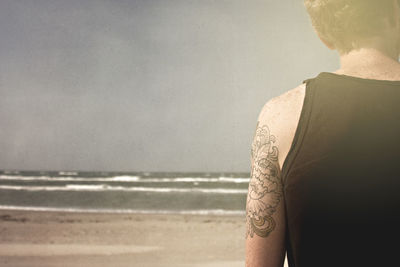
(342, 175)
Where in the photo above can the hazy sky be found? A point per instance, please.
(145, 85)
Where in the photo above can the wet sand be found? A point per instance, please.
(37, 238)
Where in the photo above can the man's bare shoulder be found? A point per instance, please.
(283, 106)
(281, 115)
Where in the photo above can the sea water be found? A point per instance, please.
(125, 192)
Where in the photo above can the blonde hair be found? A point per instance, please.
(346, 24)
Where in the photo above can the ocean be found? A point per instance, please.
(125, 192)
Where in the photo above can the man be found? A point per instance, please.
(324, 176)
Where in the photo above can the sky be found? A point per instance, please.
(169, 85)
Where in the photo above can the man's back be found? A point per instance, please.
(340, 174)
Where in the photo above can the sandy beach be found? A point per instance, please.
(38, 238)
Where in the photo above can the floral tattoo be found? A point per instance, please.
(265, 188)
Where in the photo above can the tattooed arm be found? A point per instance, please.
(265, 213)
(265, 218)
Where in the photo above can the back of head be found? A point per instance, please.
(349, 24)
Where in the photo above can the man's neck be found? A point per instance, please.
(369, 63)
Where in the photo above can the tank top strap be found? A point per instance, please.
(301, 128)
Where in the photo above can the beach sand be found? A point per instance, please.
(38, 238)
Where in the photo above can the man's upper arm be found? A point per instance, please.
(265, 217)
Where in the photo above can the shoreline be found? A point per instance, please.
(54, 238)
(217, 212)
